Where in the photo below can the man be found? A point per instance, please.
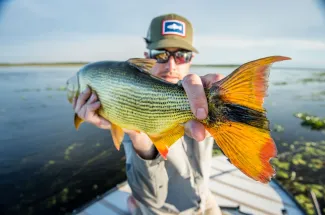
(178, 185)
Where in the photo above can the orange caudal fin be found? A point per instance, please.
(237, 120)
(248, 84)
(247, 148)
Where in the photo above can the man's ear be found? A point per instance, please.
(146, 55)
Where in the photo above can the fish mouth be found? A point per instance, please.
(72, 87)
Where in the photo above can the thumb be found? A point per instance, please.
(195, 130)
(103, 123)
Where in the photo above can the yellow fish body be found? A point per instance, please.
(131, 98)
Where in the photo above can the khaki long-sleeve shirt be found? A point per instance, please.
(177, 185)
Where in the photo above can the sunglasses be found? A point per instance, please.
(162, 56)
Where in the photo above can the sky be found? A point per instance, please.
(225, 32)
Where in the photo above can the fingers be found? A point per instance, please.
(92, 107)
(103, 123)
(209, 79)
(194, 88)
(92, 98)
(82, 99)
(195, 92)
(86, 105)
(195, 130)
(74, 101)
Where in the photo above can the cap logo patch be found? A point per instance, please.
(174, 27)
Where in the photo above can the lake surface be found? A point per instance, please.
(47, 167)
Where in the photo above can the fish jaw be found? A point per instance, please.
(72, 87)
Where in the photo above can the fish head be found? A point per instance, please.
(72, 87)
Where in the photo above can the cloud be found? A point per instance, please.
(233, 42)
(71, 47)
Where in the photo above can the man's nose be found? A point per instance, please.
(171, 65)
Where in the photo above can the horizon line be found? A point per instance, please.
(77, 63)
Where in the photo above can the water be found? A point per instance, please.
(47, 167)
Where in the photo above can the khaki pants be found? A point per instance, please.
(212, 208)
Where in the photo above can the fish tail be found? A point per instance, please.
(237, 120)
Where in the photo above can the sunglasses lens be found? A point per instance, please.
(162, 56)
(182, 57)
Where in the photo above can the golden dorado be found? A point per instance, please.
(132, 98)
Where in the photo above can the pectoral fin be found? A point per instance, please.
(77, 121)
(163, 141)
(118, 135)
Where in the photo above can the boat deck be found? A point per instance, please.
(233, 191)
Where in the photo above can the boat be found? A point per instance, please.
(236, 194)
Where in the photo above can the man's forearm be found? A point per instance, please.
(143, 146)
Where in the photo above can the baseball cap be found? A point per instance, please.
(170, 30)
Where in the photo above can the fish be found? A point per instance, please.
(134, 99)
(174, 27)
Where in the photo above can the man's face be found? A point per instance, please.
(170, 71)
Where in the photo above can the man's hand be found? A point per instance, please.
(194, 88)
(86, 108)
(86, 105)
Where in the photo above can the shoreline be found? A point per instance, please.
(84, 63)
(79, 64)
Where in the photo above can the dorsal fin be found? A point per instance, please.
(145, 65)
(142, 64)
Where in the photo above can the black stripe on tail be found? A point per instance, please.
(238, 113)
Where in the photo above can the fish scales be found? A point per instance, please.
(133, 102)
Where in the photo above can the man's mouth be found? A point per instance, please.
(169, 76)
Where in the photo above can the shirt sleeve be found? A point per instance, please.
(148, 179)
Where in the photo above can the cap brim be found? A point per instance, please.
(172, 43)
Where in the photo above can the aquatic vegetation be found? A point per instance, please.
(309, 80)
(97, 157)
(51, 162)
(95, 186)
(28, 90)
(321, 74)
(300, 169)
(280, 83)
(216, 152)
(314, 122)
(60, 88)
(278, 128)
(64, 194)
(69, 150)
(315, 96)
(317, 77)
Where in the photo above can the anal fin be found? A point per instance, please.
(117, 135)
(165, 140)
